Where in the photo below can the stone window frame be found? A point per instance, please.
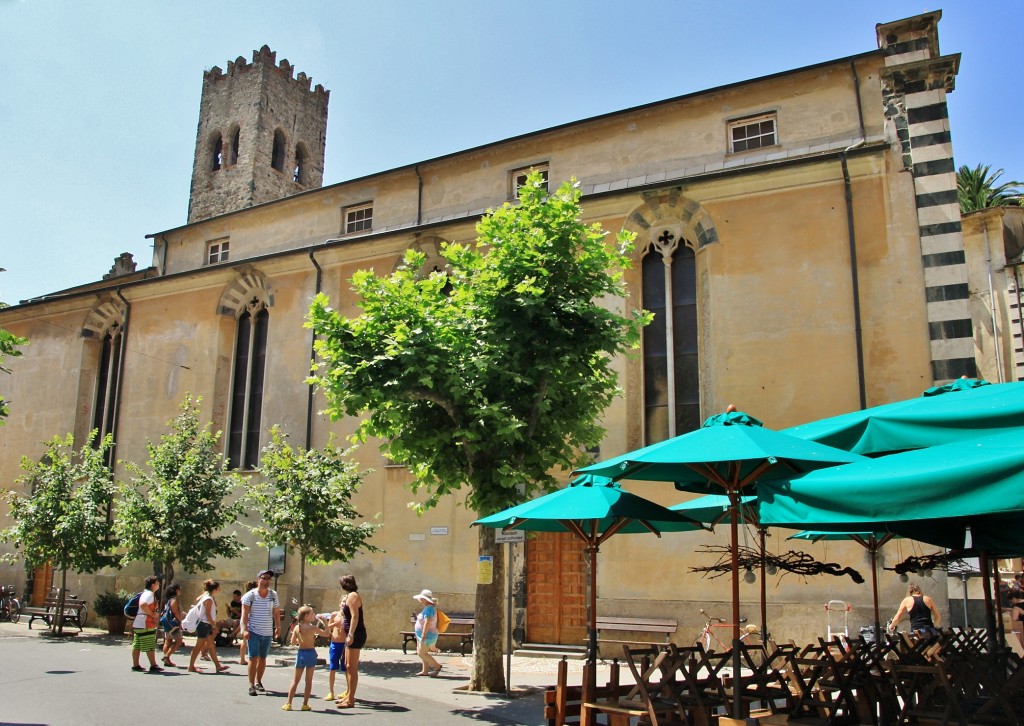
(517, 177)
(218, 250)
(102, 369)
(358, 218)
(741, 133)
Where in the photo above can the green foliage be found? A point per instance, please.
(177, 510)
(63, 518)
(976, 189)
(9, 344)
(110, 603)
(306, 503)
(493, 374)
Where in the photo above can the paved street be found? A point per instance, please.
(87, 680)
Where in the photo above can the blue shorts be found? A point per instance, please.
(306, 658)
(336, 657)
(259, 645)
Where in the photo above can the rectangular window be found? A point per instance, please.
(752, 133)
(217, 251)
(359, 219)
(518, 177)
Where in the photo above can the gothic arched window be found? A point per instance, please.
(277, 155)
(247, 385)
(216, 152)
(300, 173)
(671, 373)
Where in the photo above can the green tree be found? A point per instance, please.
(306, 504)
(63, 517)
(177, 510)
(9, 344)
(491, 375)
(976, 189)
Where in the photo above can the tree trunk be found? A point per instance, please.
(302, 578)
(488, 671)
(58, 618)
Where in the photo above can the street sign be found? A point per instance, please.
(512, 537)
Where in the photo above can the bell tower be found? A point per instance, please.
(261, 136)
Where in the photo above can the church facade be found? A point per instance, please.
(802, 228)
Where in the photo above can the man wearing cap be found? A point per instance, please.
(426, 633)
(261, 618)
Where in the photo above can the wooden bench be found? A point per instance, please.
(633, 625)
(466, 622)
(73, 610)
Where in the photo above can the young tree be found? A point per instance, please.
(492, 374)
(9, 344)
(177, 511)
(306, 504)
(976, 189)
(63, 516)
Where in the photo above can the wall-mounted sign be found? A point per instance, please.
(275, 560)
(512, 536)
(439, 530)
(485, 570)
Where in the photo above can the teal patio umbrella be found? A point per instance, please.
(593, 508)
(872, 542)
(730, 454)
(965, 409)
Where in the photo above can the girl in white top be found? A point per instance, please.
(204, 631)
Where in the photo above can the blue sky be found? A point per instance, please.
(99, 100)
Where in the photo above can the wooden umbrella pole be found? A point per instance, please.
(874, 589)
(764, 590)
(734, 516)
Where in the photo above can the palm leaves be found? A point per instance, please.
(976, 189)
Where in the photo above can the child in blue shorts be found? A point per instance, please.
(336, 657)
(304, 636)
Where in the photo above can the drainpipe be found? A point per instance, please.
(419, 194)
(996, 343)
(858, 333)
(856, 94)
(312, 351)
(120, 374)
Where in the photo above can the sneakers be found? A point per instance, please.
(252, 690)
(260, 688)
(329, 696)
(306, 707)
(138, 669)
(155, 669)
(286, 707)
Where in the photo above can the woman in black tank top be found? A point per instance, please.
(355, 626)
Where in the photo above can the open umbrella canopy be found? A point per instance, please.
(933, 495)
(592, 504)
(713, 508)
(966, 408)
(729, 447)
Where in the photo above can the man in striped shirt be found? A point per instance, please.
(261, 618)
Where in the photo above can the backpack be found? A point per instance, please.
(443, 621)
(191, 621)
(167, 620)
(131, 608)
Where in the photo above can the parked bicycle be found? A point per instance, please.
(710, 639)
(81, 608)
(10, 606)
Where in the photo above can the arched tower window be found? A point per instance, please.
(277, 155)
(671, 373)
(108, 378)
(300, 174)
(236, 140)
(216, 152)
(102, 362)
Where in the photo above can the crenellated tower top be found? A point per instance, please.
(262, 135)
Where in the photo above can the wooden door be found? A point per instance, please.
(42, 582)
(556, 589)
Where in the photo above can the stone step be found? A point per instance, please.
(550, 650)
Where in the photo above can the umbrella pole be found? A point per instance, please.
(986, 586)
(764, 591)
(737, 705)
(874, 592)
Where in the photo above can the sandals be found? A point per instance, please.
(438, 670)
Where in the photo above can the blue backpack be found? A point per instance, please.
(131, 608)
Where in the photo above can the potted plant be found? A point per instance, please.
(110, 605)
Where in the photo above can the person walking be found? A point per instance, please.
(355, 639)
(205, 631)
(242, 644)
(170, 621)
(144, 635)
(426, 633)
(261, 619)
(923, 612)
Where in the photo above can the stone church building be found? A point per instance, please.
(803, 227)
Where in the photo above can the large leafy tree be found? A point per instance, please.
(491, 375)
(305, 503)
(977, 189)
(9, 344)
(62, 517)
(181, 506)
